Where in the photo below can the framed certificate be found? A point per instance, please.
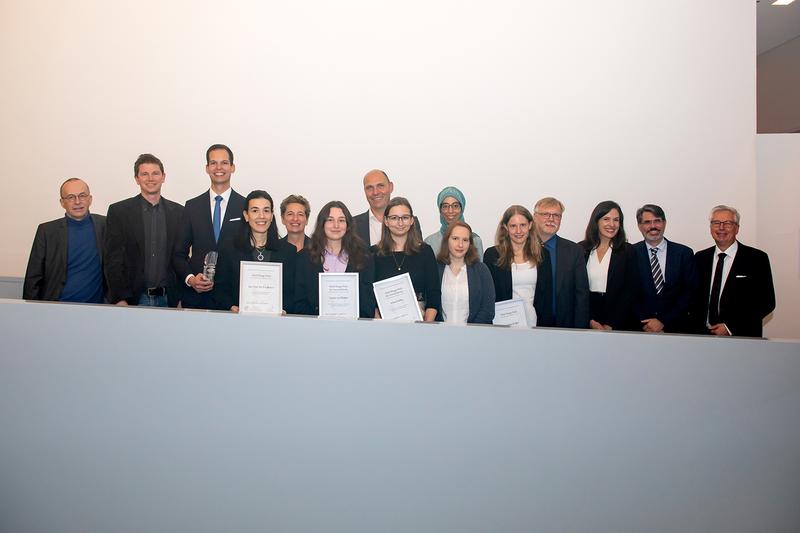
(397, 299)
(510, 313)
(261, 288)
(338, 295)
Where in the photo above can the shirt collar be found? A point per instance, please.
(730, 252)
(225, 195)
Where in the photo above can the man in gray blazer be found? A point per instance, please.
(570, 281)
(66, 258)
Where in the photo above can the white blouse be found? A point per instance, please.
(523, 284)
(455, 296)
(598, 271)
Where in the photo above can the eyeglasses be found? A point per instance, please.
(554, 216)
(651, 222)
(76, 197)
(394, 219)
(724, 224)
(455, 206)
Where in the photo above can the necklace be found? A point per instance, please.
(259, 249)
(400, 265)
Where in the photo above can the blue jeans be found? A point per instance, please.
(153, 301)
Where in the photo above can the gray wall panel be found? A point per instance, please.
(124, 419)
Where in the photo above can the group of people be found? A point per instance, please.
(151, 251)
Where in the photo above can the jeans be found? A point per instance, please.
(153, 301)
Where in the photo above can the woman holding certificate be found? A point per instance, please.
(256, 241)
(467, 286)
(335, 248)
(401, 251)
(611, 265)
(451, 203)
(520, 267)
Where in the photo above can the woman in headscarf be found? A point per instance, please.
(451, 204)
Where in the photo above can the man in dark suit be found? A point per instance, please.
(140, 237)
(207, 219)
(66, 258)
(369, 224)
(667, 279)
(735, 292)
(568, 265)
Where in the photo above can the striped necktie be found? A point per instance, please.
(655, 269)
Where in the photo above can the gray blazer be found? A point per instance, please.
(481, 293)
(47, 265)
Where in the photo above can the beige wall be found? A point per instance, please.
(779, 227)
(778, 89)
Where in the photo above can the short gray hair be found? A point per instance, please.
(728, 208)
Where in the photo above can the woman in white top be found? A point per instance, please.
(611, 265)
(520, 266)
(467, 286)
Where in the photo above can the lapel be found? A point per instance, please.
(136, 216)
(63, 237)
(559, 263)
(172, 220)
(98, 233)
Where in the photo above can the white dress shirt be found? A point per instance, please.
(598, 271)
(730, 253)
(455, 296)
(661, 256)
(375, 229)
(223, 205)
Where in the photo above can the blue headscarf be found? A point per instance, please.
(458, 195)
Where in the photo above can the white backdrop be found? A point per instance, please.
(510, 101)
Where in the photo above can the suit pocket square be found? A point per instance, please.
(741, 276)
(240, 218)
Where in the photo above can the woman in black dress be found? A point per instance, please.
(334, 247)
(400, 250)
(257, 240)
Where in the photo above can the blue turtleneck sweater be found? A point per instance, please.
(84, 267)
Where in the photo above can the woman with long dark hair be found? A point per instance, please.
(401, 250)
(611, 265)
(334, 247)
(257, 240)
(520, 266)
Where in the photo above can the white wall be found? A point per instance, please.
(779, 227)
(778, 83)
(509, 100)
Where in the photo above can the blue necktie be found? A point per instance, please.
(217, 217)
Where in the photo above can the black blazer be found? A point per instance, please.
(232, 252)
(671, 307)
(124, 249)
(747, 298)
(307, 285)
(572, 285)
(542, 298)
(197, 237)
(621, 288)
(481, 293)
(47, 265)
(361, 224)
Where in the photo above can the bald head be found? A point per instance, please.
(75, 198)
(378, 190)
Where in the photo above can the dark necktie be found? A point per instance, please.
(655, 269)
(216, 221)
(716, 287)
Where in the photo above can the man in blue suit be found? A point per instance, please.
(667, 278)
(207, 220)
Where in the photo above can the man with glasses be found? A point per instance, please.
(378, 191)
(66, 258)
(207, 220)
(140, 238)
(667, 279)
(736, 291)
(570, 281)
